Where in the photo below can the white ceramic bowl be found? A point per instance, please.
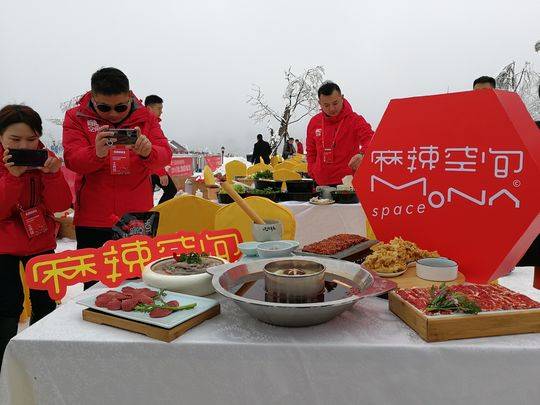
(294, 243)
(436, 269)
(249, 248)
(275, 249)
(193, 284)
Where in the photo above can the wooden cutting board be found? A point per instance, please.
(155, 332)
(449, 327)
(409, 279)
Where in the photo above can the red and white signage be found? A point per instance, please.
(181, 166)
(458, 173)
(213, 161)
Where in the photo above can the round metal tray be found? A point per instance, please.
(363, 284)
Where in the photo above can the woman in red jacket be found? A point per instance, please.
(28, 198)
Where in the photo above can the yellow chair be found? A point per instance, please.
(285, 165)
(300, 167)
(186, 213)
(232, 216)
(284, 175)
(235, 168)
(259, 167)
(369, 231)
(27, 306)
(274, 160)
(298, 158)
(209, 178)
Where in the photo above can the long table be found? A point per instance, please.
(365, 356)
(316, 222)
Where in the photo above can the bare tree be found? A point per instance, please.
(524, 82)
(300, 99)
(66, 105)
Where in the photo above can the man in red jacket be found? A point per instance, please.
(112, 180)
(160, 177)
(299, 147)
(336, 137)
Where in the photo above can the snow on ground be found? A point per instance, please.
(221, 169)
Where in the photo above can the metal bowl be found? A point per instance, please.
(363, 283)
(294, 280)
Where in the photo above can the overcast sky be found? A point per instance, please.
(202, 57)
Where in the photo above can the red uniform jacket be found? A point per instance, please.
(102, 198)
(49, 192)
(354, 136)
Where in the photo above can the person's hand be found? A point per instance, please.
(10, 166)
(143, 146)
(52, 165)
(104, 142)
(355, 161)
(164, 180)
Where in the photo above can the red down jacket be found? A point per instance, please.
(102, 198)
(33, 188)
(353, 137)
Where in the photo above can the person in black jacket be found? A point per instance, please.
(261, 149)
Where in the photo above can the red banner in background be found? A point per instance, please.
(213, 161)
(70, 179)
(181, 166)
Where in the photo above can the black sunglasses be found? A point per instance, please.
(119, 108)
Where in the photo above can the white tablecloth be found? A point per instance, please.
(316, 222)
(365, 356)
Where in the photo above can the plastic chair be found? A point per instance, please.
(285, 165)
(369, 231)
(235, 168)
(186, 213)
(300, 167)
(284, 175)
(232, 216)
(259, 167)
(274, 160)
(27, 306)
(208, 175)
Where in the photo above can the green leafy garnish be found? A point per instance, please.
(267, 174)
(443, 299)
(190, 258)
(159, 302)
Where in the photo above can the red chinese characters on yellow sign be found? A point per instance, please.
(122, 259)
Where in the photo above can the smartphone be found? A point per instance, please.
(28, 157)
(124, 136)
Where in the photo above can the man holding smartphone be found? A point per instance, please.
(112, 179)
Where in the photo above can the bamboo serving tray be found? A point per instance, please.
(152, 331)
(438, 328)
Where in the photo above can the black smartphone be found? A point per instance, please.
(28, 157)
(124, 136)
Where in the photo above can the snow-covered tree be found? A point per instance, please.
(300, 99)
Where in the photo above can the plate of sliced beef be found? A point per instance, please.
(137, 302)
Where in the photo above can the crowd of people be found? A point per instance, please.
(115, 176)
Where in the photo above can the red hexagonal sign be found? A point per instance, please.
(458, 173)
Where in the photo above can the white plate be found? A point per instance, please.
(168, 322)
(385, 275)
(389, 275)
(316, 202)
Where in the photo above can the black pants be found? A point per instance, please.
(92, 238)
(12, 299)
(169, 191)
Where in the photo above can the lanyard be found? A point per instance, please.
(335, 134)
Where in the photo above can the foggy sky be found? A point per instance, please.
(203, 57)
